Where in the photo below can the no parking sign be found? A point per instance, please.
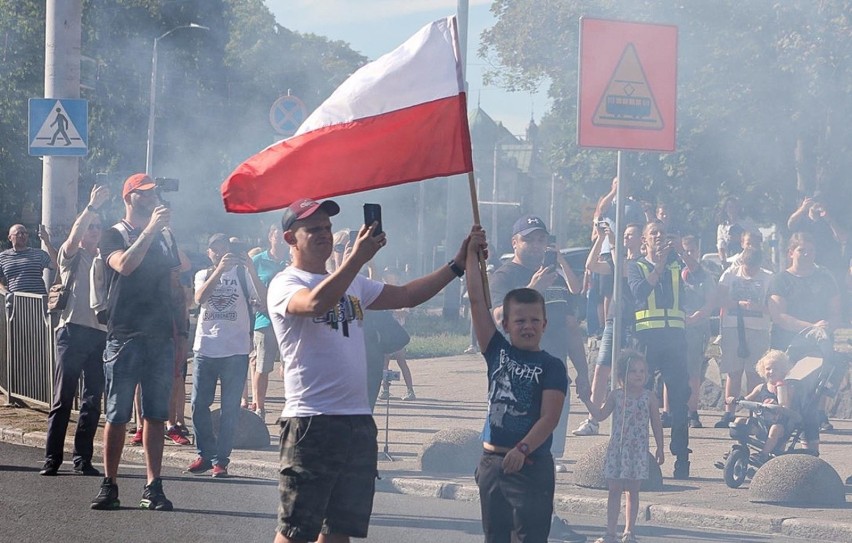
(287, 115)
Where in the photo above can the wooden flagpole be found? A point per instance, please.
(483, 265)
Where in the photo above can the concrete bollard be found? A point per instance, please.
(589, 470)
(798, 479)
(451, 450)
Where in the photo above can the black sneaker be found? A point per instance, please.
(85, 467)
(107, 498)
(153, 497)
(725, 421)
(694, 422)
(681, 469)
(51, 467)
(560, 529)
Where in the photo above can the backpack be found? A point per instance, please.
(101, 280)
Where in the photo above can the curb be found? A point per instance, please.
(659, 514)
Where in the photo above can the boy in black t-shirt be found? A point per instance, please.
(526, 390)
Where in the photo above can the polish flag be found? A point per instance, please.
(399, 119)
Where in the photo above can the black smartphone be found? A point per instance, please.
(549, 259)
(373, 213)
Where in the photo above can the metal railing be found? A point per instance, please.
(28, 359)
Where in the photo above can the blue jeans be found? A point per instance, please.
(230, 371)
(146, 361)
(79, 351)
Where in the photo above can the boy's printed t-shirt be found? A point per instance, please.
(223, 323)
(516, 380)
(324, 357)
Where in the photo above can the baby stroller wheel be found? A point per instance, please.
(736, 468)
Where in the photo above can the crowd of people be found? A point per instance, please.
(304, 301)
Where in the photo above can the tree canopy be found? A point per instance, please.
(763, 88)
(215, 90)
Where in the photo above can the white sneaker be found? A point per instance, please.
(588, 428)
(409, 395)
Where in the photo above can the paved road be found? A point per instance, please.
(34, 508)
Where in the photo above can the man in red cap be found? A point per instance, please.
(328, 437)
(141, 256)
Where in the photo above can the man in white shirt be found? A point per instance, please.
(328, 437)
(223, 340)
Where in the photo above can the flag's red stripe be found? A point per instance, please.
(420, 142)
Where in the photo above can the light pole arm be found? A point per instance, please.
(152, 108)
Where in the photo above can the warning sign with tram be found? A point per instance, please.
(628, 101)
(628, 85)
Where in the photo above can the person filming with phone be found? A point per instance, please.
(537, 266)
(328, 441)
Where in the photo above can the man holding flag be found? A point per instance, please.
(328, 436)
(400, 119)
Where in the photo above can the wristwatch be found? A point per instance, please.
(455, 268)
(524, 448)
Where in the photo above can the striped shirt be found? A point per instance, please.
(21, 270)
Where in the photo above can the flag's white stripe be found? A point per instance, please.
(423, 69)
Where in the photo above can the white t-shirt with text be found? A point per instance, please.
(224, 328)
(324, 358)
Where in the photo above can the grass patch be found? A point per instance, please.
(436, 346)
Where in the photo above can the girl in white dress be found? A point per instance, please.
(626, 464)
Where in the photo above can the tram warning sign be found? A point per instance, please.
(628, 85)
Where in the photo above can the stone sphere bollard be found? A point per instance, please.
(250, 432)
(589, 470)
(798, 479)
(452, 450)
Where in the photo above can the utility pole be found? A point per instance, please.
(62, 41)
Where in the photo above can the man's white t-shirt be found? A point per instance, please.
(743, 287)
(223, 323)
(324, 358)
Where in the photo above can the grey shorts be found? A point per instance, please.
(265, 350)
(757, 342)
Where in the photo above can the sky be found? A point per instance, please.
(376, 27)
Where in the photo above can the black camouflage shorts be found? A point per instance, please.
(327, 475)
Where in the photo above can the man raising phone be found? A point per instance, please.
(328, 437)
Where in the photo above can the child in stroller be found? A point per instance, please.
(769, 424)
(778, 426)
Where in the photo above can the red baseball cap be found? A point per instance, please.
(137, 181)
(304, 208)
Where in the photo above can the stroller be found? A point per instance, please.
(817, 372)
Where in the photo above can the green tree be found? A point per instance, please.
(762, 91)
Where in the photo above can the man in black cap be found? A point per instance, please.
(328, 437)
(562, 336)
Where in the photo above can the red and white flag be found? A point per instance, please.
(399, 119)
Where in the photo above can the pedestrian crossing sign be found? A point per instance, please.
(58, 127)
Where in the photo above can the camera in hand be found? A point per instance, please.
(167, 184)
(390, 375)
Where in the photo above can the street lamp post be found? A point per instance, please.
(152, 105)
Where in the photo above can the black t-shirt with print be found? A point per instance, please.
(516, 381)
(141, 303)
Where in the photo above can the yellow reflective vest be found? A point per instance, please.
(656, 317)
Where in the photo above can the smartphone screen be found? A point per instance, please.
(549, 259)
(373, 213)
